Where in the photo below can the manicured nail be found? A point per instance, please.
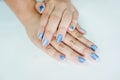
(82, 30)
(59, 38)
(62, 57)
(41, 8)
(71, 28)
(80, 59)
(40, 36)
(94, 56)
(93, 47)
(45, 42)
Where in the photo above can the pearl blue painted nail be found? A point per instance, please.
(40, 36)
(94, 56)
(71, 28)
(93, 47)
(80, 59)
(45, 42)
(41, 8)
(62, 57)
(59, 38)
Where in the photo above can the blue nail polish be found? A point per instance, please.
(59, 38)
(45, 42)
(62, 57)
(94, 56)
(80, 59)
(41, 8)
(40, 36)
(93, 47)
(71, 27)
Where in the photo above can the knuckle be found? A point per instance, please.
(54, 18)
(45, 15)
(49, 32)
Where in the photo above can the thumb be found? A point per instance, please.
(40, 6)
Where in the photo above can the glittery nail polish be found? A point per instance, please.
(71, 28)
(93, 47)
(40, 36)
(45, 42)
(59, 38)
(94, 56)
(41, 8)
(80, 59)
(62, 57)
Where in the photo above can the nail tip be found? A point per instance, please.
(59, 38)
(62, 57)
(40, 35)
(94, 56)
(45, 42)
(41, 8)
(94, 47)
(82, 60)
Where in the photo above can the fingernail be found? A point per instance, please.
(59, 38)
(93, 47)
(45, 42)
(40, 36)
(94, 56)
(71, 28)
(41, 8)
(62, 57)
(82, 30)
(80, 59)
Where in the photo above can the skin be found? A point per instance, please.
(73, 44)
(60, 12)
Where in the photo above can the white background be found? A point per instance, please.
(21, 60)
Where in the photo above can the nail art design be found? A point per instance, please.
(94, 56)
(59, 38)
(62, 57)
(40, 36)
(71, 28)
(45, 42)
(41, 8)
(80, 59)
(93, 47)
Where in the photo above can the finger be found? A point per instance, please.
(79, 47)
(44, 20)
(65, 22)
(82, 39)
(70, 54)
(81, 30)
(40, 6)
(53, 22)
(74, 21)
(50, 50)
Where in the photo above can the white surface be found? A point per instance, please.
(21, 60)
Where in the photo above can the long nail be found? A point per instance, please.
(94, 56)
(80, 59)
(40, 36)
(45, 42)
(41, 8)
(93, 47)
(62, 57)
(59, 38)
(71, 28)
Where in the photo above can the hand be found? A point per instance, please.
(58, 16)
(74, 47)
